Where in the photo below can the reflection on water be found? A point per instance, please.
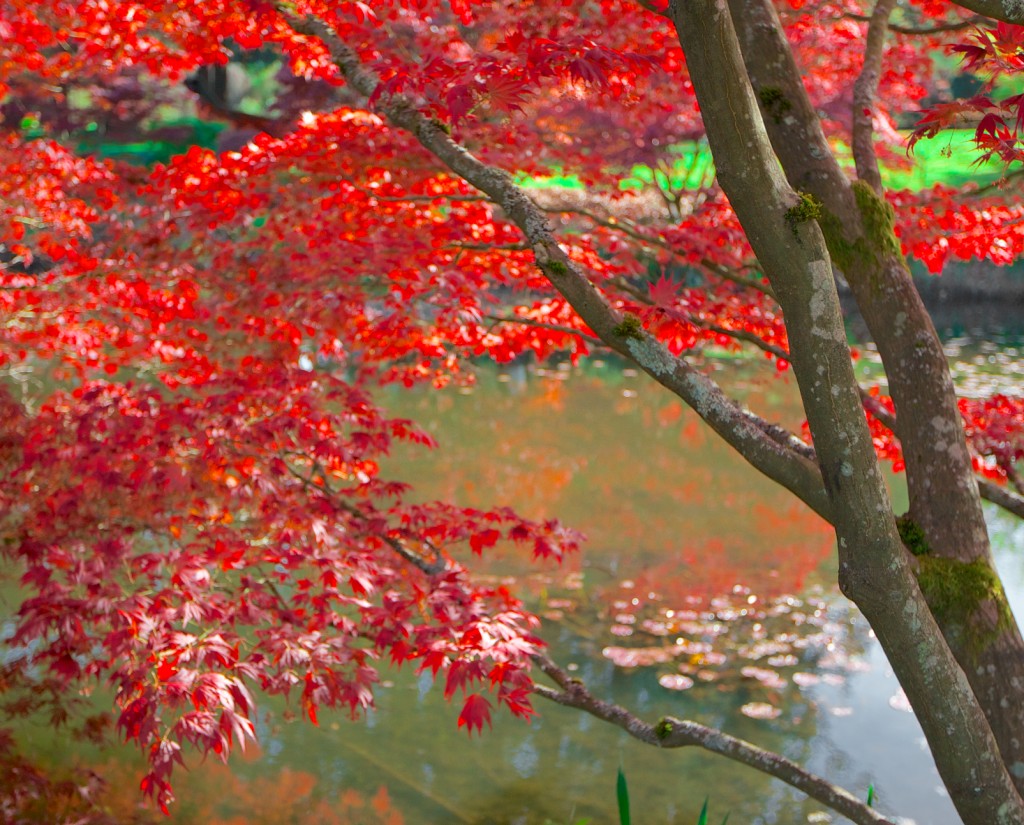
(703, 592)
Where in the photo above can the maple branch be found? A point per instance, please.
(864, 91)
(751, 338)
(1002, 497)
(877, 409)
(738, 334)
(618, 224)
(488, 247)
(1012, 475)
(529, 322)
(780, 435)
(990, 491)
(431, 568)
(14, 263)
(651, 7)
(670, 732)
(1008, 11)
(628, 288)
(759, 284)
(1000, 183)
(920, 30)
(778, 461)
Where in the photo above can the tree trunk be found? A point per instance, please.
(945, 517)
(875, 570)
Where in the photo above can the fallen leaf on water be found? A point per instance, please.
(675, 681)
(760, 710)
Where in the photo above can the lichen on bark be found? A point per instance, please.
(651, 355)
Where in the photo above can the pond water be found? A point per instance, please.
(703, 592)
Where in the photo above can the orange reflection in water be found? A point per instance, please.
(211, 793)
(664, 503)
(786, 549)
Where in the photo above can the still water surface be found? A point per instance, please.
(703, 592)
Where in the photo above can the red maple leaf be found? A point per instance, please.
(476, 711)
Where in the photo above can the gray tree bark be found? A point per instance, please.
(945, 504)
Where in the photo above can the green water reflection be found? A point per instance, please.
(703, 591)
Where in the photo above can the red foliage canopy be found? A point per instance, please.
(190, 447)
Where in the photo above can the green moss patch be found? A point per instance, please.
(955, 590)
(878, 241)
(808, 208)
(629, 327)
(774, 102)
(912, 535)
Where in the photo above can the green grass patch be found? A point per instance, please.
(947, 159)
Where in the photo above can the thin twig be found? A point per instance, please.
(281, 601)
(630, 229)
(529, 322)
(431, 568)
(760, 284)
(998, 184)
(922, 30)
(738, 334)
(487, 247)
